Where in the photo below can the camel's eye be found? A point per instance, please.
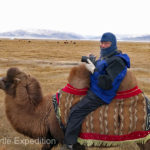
(7, 83)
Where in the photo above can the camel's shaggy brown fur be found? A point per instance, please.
(79, 77)
(31, 113)
(27, 110)
(128, 82)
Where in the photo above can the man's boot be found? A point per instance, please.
(66, 147)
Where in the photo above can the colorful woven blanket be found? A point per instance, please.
(125, 119)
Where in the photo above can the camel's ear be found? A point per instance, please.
(17, 80)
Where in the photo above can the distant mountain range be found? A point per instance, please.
(48, 34)
(41, 34)
(141, 38)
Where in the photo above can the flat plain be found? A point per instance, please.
(50, 62)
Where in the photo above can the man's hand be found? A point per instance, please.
(90, 66)
(92, 58)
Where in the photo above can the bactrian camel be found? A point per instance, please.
(32, 114)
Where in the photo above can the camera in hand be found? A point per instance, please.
(91, 57)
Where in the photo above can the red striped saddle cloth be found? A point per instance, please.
(123, 120)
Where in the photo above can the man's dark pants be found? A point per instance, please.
(77, 114)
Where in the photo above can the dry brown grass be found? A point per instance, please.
(50, 63)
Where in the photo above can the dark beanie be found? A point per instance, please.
(108, 37)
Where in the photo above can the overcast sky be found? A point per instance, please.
(85, 17)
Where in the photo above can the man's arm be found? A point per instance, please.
(112, 71)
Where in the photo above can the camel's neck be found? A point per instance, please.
(28, 120)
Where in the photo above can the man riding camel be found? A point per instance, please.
(106, 75)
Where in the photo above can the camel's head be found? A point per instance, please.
(79, 77)
(10, 81)
(22, 87)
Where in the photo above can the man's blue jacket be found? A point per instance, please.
(109, 71)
